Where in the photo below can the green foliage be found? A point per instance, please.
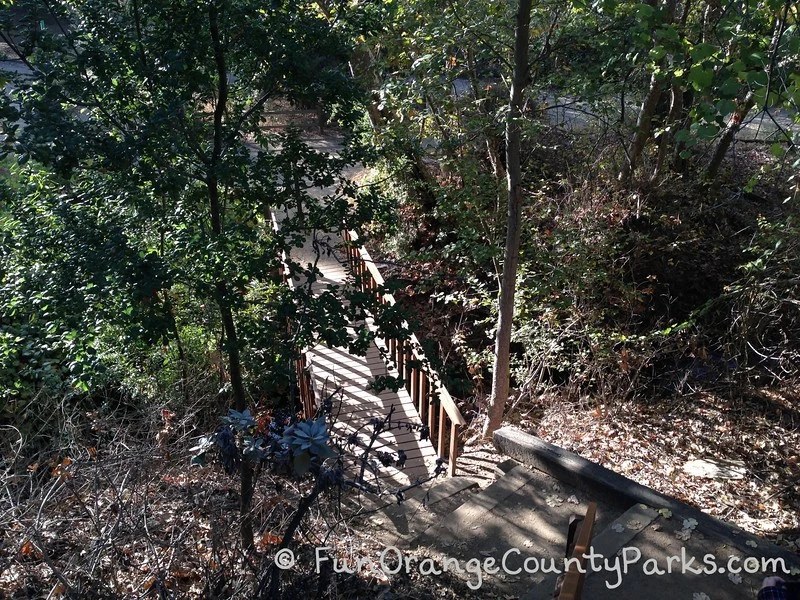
(138, 246)
(764, 303)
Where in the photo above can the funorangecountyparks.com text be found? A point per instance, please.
(393, 560)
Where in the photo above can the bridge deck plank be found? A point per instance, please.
(357, 405)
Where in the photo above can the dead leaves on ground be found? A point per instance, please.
(650, 441)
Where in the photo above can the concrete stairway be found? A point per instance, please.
(524, 515)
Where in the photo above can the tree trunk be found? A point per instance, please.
(222, 290)
(744, 107)
(500, 375)
(727, 136)
(643, 125)
(675, 110)
(493, 142)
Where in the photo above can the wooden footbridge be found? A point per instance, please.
(425, 420)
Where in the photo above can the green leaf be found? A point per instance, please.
(657, 53)
(726, 107)
(645, 11)
(777, 150)
(730, 87)
(700, 78)
(702, 51)
(707, 131)
(757, 78)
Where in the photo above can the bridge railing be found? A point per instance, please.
(434, 404)
(304, 380)
(305, 386)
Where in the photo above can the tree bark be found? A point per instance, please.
(643, 126)
(222, 290)
(501, 375)
(675, 110)
(726, 139)
(749, 101)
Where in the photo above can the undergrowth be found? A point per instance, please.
(621, 295)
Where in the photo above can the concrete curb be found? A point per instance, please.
(613, 487)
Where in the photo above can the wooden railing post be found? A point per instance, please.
(304, 386)
(453, 454)
(423, 394)
(440, 447)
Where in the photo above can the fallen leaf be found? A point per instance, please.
(270, 539)
(149, 583)
(27, 548)
(553, 501)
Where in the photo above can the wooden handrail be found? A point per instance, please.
(572, 586)
(423, 383)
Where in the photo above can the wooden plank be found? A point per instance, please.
(442, 430)
(572, 587)
(453, 454)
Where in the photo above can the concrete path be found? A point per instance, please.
(510, 538)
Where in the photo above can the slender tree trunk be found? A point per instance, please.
(726, 139)
(222, 290)
(749, 101)
(643, 126)
(269, 585)
(169, 311)
(500, 375)
(675, 110)
(493, 142)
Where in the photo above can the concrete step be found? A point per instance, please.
(421, 508)
(673, 550)
(523, 514)
(608, 543)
